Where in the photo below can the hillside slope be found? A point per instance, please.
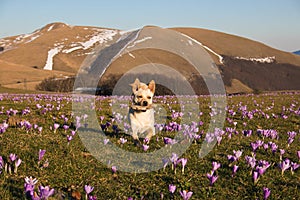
(59, 50)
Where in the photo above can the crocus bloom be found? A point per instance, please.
(105, 141)
(298, 154)
(69, 138)
(145, 147)
(73, 133)
(294, 166)
(65, 127)
(215, 166)
(284, 165)
(237, 153)
(186, 195)
(183, 162)
(212, 178)
(55, 126)
(267, 193)
(231, 158)
(45, 192)
(41, 154)
(255, 176)
(114, 169)
(123, 140)
(29, 185)
(251, 161)
(88, 189)
(40, 129)
(12, 157)
(172, 188)
(282, 151)
(165, 162)
(234, 170)
(92, 197)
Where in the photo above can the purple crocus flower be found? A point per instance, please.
(234, 170)
(294, 166)
(165, 162)
(266, 146)
(284, 165)
(298, 154)
(168, 140)
(267, 193)
(88, 189)
(55, 126)
(40, 129)
(65, 127)
(29, 185)
(69, 138)
(145, 147)
(261, 170)
(101, 118)
(73, 132)
(251, 161)
(114, 169)
(254, 146)
(231, 158)
(186, 195)
(105, 141)
(174, 159)
(123, 140)
(237, 153)
(172, 188)
(41, 154)
(18, 163)
(12, 157)
(45, 192)
(273, 146)
(183, 162)
(215, 166)
(212, 178)
(1, 163)
(255, 176)
(91, 197)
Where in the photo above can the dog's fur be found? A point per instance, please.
(141, 113)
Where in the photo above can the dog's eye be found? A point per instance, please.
(139, 96)
(149, 97)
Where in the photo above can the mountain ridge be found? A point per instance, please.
(58, 49)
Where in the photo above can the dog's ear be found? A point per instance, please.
(135, 85)
(151, 86)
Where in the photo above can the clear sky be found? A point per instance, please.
(273, 22)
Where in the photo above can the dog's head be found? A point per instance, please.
(143, 93)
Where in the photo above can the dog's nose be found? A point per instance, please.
(145, 103)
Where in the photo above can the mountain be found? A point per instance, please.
(297, 52)
(59, 50)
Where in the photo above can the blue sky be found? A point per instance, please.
(273, 22)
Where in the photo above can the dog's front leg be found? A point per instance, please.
(134, 126)
(150, 133)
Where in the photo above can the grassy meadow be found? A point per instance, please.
(257, 154)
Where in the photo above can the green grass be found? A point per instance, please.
(71, 166)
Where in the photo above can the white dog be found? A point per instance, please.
(141, 113)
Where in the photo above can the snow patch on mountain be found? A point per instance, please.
(139, 41)
(205, 47)
(72, 49)
(51, 54)
(260, 60)
(101, 37)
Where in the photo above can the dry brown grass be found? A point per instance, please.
(17, 64)
(231, 45)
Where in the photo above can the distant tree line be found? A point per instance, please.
(107, 85)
